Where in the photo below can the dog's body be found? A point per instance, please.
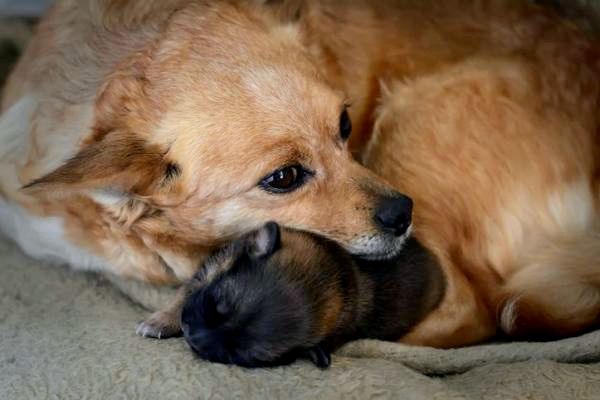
(501, 153)
(488, 117)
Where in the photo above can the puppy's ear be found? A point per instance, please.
(113, 157)
(265, 241)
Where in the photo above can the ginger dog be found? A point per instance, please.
(486, 114)
(138, 136)
(175, 116)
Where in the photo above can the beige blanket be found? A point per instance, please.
(70, 335)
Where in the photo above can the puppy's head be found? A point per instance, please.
(222, 123)
(267, 299)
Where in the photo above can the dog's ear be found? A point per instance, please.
(114, 157)
(265, 241)
(118, 162)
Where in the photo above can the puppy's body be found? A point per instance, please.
(488, 117)
(392, 296)
(268, 298)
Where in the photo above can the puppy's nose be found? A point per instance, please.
(201, 319)
(394, 214)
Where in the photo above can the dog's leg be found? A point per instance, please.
(461, 317)
(165, 323)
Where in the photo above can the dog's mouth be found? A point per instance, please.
(389, 252)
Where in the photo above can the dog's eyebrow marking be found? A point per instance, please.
(172, 171)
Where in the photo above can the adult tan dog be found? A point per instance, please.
(144, 134)
(175, 116)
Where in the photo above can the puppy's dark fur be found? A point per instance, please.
(274, 296)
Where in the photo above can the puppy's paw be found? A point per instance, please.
(160, 325)
(319, 355)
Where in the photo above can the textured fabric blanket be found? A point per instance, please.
(70, 335)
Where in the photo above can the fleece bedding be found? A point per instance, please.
(70, 335)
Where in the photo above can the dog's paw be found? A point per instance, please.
(159, 325)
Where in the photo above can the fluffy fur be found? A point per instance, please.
(146, 138)
(485, 112)
(500, 151)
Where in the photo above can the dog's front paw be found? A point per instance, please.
(160, 325)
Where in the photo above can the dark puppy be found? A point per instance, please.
(274, 296)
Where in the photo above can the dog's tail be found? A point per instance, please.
(556, 292)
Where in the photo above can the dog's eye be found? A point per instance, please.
(345, 125)
(284, 180)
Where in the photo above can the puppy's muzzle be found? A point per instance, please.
(250, 318)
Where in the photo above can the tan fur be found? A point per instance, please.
(485, 112)
(223, 93)
(500, 153)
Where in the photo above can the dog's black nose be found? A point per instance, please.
(394, 214)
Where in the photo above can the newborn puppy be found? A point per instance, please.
(277, 295)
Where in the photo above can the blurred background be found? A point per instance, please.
(17, 18)
(23, 8)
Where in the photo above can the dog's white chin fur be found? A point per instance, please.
(379, 248)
